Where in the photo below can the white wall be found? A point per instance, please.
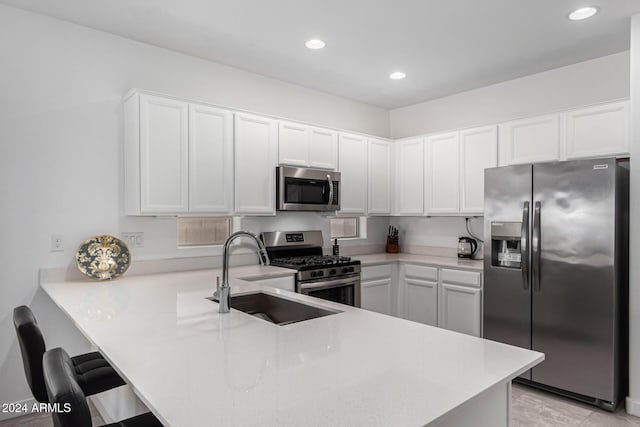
(633, 402)
(61, 133)
(594, 81)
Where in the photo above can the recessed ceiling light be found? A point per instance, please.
(583, 13)
(315, 44)
(398, 75)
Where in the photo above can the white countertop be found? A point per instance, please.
(383, 258)
(195, 367)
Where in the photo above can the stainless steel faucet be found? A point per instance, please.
(223, 292)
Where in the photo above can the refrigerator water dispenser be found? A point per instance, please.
(505, 244)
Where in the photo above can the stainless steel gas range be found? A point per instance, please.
(334, 278)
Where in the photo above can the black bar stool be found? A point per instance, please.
(65, 393)
(94, 373)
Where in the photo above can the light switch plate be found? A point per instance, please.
(57, 243)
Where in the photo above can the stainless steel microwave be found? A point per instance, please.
(306, 189)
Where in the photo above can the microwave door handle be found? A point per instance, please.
(330, 189)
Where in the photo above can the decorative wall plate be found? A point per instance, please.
(103, 257)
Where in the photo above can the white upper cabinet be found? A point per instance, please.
(178, 157)
(442, 162)
(293, 144)
(156, 155)
(601, 130)
(210, 159)
(255, 157)
(323, 148)
(478, 151)
(163, 155)
(352, 162)
(530, 140)
(302, 145)
(379, 177)
(410, 177)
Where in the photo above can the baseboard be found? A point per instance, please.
(632, 406)
(9, 415)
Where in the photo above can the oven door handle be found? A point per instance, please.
(329, 283)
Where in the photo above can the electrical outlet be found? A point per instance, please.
(133, 239)
(57, 243)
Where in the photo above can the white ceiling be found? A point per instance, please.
(444, 46)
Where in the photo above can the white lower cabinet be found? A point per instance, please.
(460, 301)
(422, 301)
(376, 295)
(443, 297)
(376, 288)
(420, 285)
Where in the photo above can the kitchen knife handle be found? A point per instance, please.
(524, 246)
(330, 189)
(535, 247)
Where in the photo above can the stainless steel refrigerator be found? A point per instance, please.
(556, 272)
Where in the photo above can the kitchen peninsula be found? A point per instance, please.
(195, 367)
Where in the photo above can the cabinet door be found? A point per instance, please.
(163, 155)
(478, 151)
(352, 161)
(293, 144)
(442, 163)
(210, 159)
(256, 153)
(375, 295)
(602, 130)
(530, 140)
(323, 148)
(421, 301)
(410, 177)
(379, 177)
(459, 309)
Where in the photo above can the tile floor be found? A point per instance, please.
(529, 408)
(535, 408)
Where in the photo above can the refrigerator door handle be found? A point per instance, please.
(524, 245)
(535, 248)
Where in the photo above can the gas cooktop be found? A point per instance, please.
(313, 261)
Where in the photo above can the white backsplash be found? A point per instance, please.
(436, 236)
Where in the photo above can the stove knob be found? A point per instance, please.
(345, 270)
(333, 271)
(350, 269)
(314, 273)
(320, 273)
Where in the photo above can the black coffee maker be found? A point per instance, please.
(467, 247)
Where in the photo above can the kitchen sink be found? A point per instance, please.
(271, 308)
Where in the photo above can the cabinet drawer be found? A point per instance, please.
(375, 272)
(470, 278)
(421, 272)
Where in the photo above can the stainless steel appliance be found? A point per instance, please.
(306, 189)
(556, 272)
(334, 278)
(467, 247)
